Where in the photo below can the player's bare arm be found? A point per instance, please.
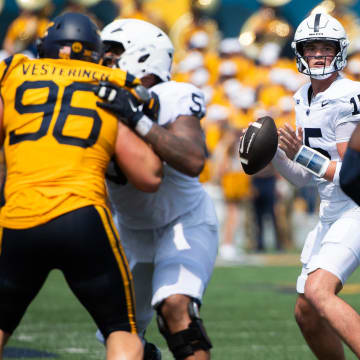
(181, 144)
(141, 166)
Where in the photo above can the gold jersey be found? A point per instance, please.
(57, 141)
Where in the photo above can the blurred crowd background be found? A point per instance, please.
(239, 53)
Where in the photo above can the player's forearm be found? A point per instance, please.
(184, 155)
(332, 172)
(146, 172)
(139, 163)
(308, 160)
(291, 171)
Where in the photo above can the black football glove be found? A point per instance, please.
(152, 107)
(119, 101)
(139, 95)
(150, 100)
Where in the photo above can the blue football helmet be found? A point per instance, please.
(71, 36)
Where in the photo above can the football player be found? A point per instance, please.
(327, 111)
(57, 145)
(171, 243)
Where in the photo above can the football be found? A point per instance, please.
(258, 145)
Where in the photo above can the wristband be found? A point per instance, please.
(143, 126)
(312, 160)
(336, 178)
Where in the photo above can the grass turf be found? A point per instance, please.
(248, 312)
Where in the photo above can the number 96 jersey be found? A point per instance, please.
(57, 141)
(320, 119)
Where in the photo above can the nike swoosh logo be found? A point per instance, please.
(133, 107)
(324, 103)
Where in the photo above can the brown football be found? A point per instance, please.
(258, 145)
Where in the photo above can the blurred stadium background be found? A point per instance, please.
(238, 52)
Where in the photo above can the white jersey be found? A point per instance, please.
(178, 193)
(338, 104)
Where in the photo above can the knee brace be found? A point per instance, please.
(185, 342)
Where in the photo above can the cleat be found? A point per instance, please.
(151, 352)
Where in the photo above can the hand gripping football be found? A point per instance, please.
(258, 145)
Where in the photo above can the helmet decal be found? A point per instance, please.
(317, 22)
(76, 47)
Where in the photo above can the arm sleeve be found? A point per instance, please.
(290, 170)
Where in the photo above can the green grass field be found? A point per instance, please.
(248, 312)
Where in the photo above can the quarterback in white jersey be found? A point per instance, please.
(327, 120)
(171, 236)
(327, 112)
